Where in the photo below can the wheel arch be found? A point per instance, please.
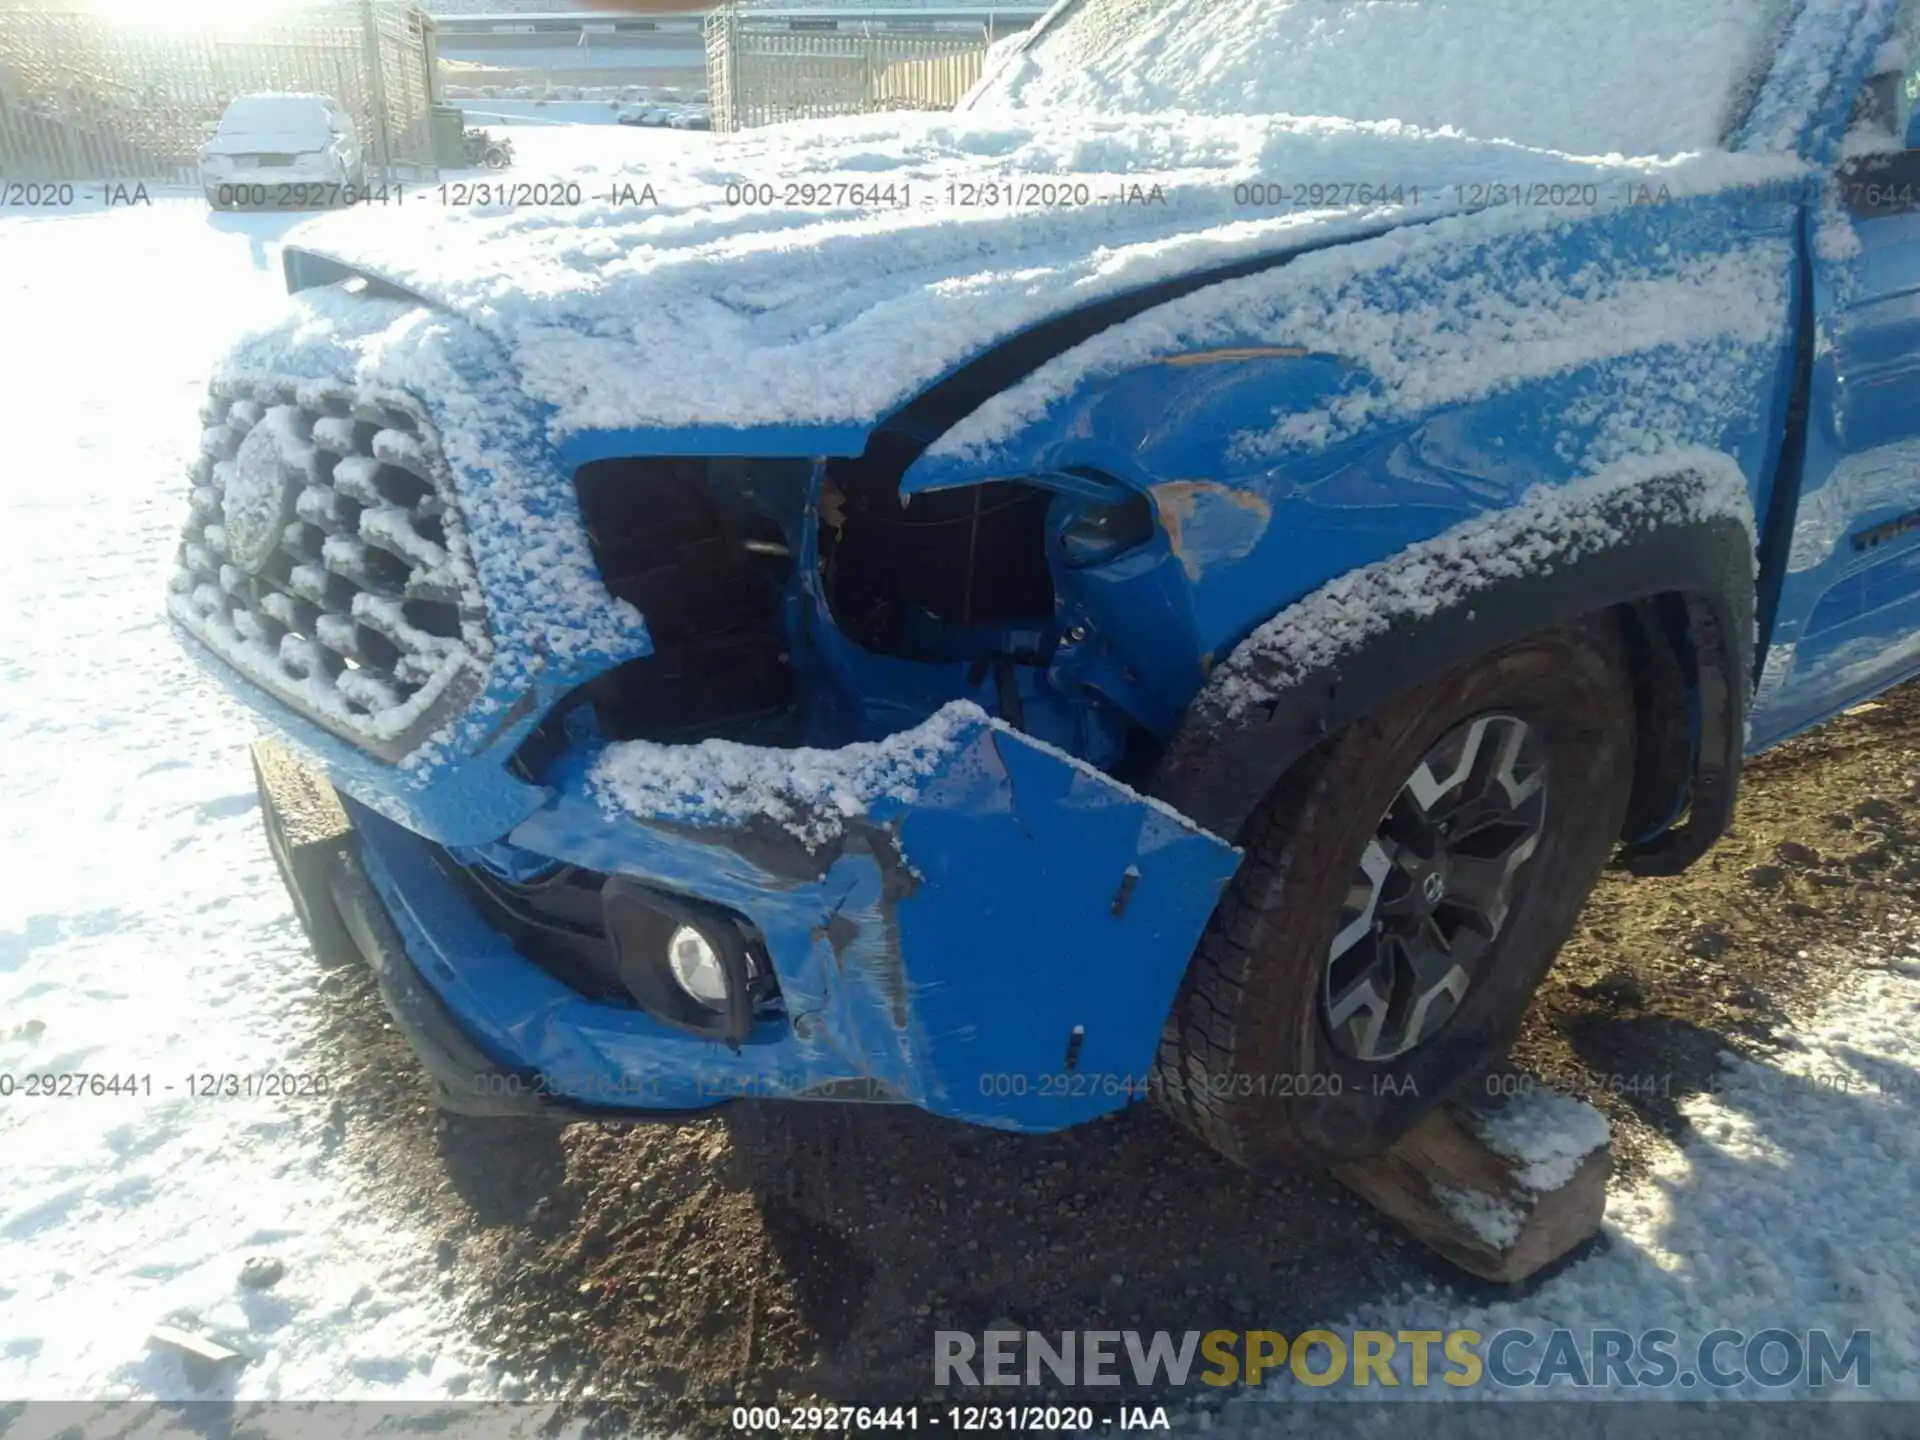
(1667, 557)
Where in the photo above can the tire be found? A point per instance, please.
(1250, 1060)
(213, 198)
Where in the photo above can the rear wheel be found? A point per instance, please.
(1404, 892)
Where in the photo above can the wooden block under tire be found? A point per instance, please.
(306, 828)
(1501, 1188)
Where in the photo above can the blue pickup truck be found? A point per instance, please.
(1171, 580)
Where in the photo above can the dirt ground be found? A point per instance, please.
(660, 1275)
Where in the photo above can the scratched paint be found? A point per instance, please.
(951, 947)
(1207, 522)
(1236, 353)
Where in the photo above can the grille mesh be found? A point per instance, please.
(324, 558)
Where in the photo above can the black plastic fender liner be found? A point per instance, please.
(1723, 682)
(1227, 756)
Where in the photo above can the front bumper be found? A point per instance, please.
(996, 937)
(1001, 948)
(316, 847)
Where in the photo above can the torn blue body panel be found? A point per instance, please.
(1000, 949)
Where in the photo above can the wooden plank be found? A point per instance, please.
(1501, 1188)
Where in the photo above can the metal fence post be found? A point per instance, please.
(377, 89)
(735, 100)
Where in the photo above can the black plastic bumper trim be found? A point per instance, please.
(465, 1080)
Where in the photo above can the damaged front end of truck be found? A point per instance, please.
(676, 774)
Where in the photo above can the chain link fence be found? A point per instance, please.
(760, 74)
(83, 98)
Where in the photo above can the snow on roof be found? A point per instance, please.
(717, 308)
(1637, 77)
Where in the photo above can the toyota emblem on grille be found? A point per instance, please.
(258, 498)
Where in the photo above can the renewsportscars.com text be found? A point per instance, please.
(1770, 1358)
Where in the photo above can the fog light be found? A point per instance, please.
(696, 966)
(686, 963)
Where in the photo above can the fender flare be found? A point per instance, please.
(1678, 548)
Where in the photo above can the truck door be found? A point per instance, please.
(1848, 621)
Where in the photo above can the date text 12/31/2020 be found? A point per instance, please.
(197, 1085)
(714, 1088)
(957, 1419)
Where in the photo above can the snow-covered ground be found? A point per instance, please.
(546, 151)
(143, 930)
(524, 113)
(1790, 1207)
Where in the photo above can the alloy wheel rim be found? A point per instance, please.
(1434, 888)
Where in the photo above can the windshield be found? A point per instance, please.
(274, 115)
(1636, 77)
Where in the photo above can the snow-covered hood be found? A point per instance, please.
(276, 142)
(823, 274)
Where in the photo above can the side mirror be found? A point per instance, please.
(1886, 184)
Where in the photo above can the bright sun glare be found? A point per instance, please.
(190, 14)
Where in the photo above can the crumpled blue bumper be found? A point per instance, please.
(1002, 948)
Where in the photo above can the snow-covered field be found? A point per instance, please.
(143, 930)
(144, 934)
(481, 110)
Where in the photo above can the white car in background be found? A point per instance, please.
(282, 152)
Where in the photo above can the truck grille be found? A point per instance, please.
(324, 559)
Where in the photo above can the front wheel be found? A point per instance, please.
(1404, 892)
